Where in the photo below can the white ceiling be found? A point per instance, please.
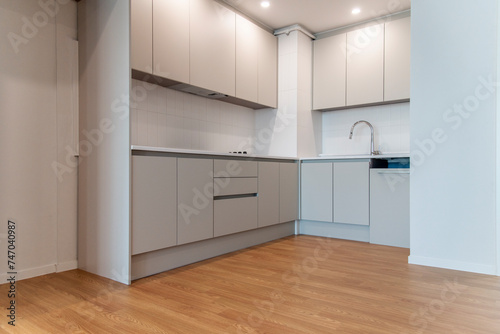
(317, 15)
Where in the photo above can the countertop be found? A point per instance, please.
(359, 156)
(211, 153)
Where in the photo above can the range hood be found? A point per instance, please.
(198, 91)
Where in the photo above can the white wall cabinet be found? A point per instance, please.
(397, 59)
(351, 194)
(212, 46)
(329, 77)
(365, 65)
(269, 193)
(141, 35)
(154, 203)
(268, 69)
(195, 219)
(171, 39)
(390, 207)
(289, 192)
(317, 191)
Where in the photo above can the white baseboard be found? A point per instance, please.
(39, 271)
(453, 265)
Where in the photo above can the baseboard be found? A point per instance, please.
(39, 271)
(453, 265)
(335, 230)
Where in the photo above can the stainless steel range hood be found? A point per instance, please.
(198, 91)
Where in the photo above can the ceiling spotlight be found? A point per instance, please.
(356, 11)
(265, 4)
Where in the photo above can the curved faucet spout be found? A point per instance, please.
(372, 148)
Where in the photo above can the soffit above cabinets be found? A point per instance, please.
(317, 15)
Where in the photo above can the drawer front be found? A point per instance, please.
(234, 215)
(235, 168)
(235, 186)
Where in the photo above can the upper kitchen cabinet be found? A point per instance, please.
(256, 63)
(365, 65)
(268, 69)
(171, 39)
(212, 46)
(329, 72)
(397, 60)
(141, 17)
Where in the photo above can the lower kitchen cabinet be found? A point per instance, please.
(351, 194)
(154, 203)
(317, 191)
(195, 185)
(390, 207)
(269, 193)
(234, 215)
(336, 192)
(289, 192)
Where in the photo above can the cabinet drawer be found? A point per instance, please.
(235, 168)
(234, 215)
(226, 186)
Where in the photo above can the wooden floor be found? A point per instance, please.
(298, 284)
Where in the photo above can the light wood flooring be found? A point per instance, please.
(299, 284)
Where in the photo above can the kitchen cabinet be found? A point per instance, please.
(329, 72)
(256, 63)
(195, 183)
(268, 69)
(154, 203)
(212, 46)
(269, 193)
(365, 65)
(171, 39)
(141, 35)
(317, 191)
(390, 207)
(289, 192)
(234, 215)
(351, 195)
(397, 60)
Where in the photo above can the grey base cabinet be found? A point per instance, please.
(289, 192)
(317, 191)
(390, 207)
(235, 215)
(154, 203)
(195, 219)
(269, 193)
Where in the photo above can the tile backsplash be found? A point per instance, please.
(390, 122)
(163, 117)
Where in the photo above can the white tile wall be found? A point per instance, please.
(163, 117)
(391, 124)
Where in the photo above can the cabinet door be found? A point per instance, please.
(171, 39)
(390, 207)
(141, 34)
(212, 46)
(269, 193)
(397, 60)
(351, 193)
(154, 203)
(365, 65)
(289, 191)
(316, 191)
(247, 60)
(329, 72)
(195, 197)
(268, 69)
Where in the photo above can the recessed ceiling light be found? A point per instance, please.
(265, 4)
(356, 11)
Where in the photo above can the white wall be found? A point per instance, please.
(453, 218)
(36, 124)
(391, 125)
(173, 119)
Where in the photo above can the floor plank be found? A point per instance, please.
(299, 284)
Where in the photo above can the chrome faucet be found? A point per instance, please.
(372, 152)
